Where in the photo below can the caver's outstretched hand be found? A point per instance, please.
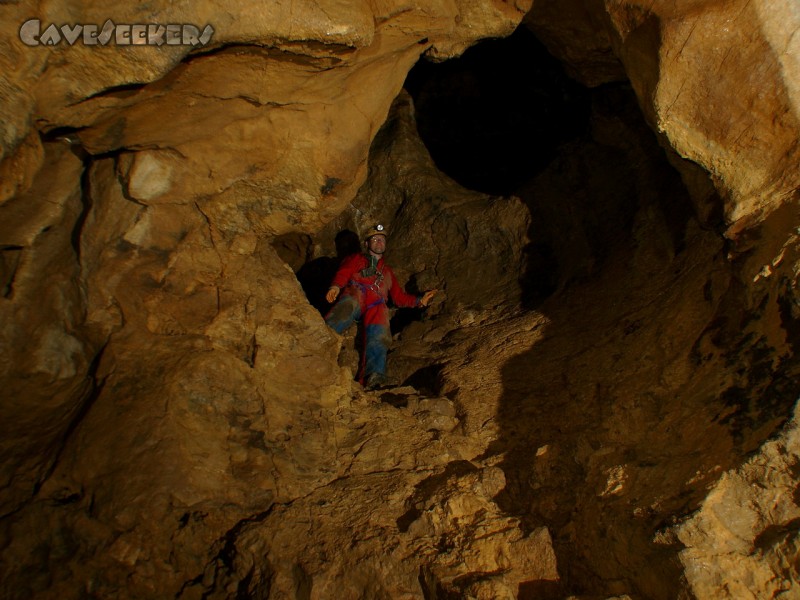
(426, 298)
(333, 293)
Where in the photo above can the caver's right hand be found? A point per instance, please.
(333, 293)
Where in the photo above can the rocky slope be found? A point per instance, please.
(611, 352)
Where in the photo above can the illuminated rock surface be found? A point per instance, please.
(586, 409)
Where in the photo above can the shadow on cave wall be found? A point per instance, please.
(644, 390)
(505, 119)
(655, 374)
(609, 215)
(315, 276)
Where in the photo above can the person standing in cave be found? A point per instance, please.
(362, 285)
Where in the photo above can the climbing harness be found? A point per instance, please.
(370, 271)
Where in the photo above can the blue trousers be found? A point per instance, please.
(377, 338)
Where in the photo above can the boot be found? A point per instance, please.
(375, 381)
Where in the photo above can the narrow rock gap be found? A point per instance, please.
(94, 387)
(10, 257)
(117, 91)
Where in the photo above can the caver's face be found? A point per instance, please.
(377, 244)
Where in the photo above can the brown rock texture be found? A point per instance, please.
(743, 542)
(46, 353)
(616, 404)
(742, 128)
(585, 411)
(578, 33)
(169, 187)
(264, 89)
(715, 125)
(467, 244)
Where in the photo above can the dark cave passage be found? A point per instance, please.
(505, 119)
(632, 283)
(495, 116)
(594, 405)
(617, 262)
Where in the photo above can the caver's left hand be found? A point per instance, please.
(426, 297)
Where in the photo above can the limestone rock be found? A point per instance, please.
(204, 337)
(175, 272)
(18, 171)
(284, 67)
(45, 346)
(176, 420)
(667, 50)
(743, 542)
(154, 247)
(499, 556)
(577, 32)
(666, 46)
(429, 531)
(209, 422)
(479, 264)
(683, 351)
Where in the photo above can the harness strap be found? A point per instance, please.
(364, 289)
(376, 303)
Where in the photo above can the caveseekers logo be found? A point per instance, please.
(31, 34)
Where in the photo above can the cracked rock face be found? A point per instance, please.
(164, 210)
(743, 542)
(583, 412)
(742, 129)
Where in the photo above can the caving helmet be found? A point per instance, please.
(375, 230)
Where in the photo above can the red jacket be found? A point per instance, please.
(371, 290)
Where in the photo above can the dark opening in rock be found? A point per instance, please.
(494, 117)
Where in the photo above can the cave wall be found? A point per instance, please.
(151, 335)
(649, 367)
(173, 161)
(140, 290)
(467, 244)
(716, 79)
